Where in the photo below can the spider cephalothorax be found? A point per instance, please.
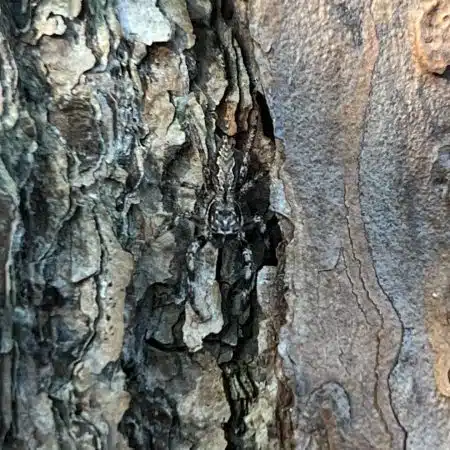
(224, 218)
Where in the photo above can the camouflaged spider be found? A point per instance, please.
(222, 219)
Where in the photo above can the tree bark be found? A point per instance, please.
(133, 133)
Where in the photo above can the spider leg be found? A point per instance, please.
(191, 256)
(252, 130)
(196, 141)
(248, 263)
(248, 277)
(199, 213)
(257, 221)
(174, 221)
(250, 184)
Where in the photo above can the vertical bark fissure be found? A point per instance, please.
(113, 117)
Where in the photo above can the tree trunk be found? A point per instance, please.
(224, 224)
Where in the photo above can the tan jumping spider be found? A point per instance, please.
(221, 221)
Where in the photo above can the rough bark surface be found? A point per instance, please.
(127, 322)
(360, 97)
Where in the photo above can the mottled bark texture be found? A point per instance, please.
(360, 95)
(115, 333)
